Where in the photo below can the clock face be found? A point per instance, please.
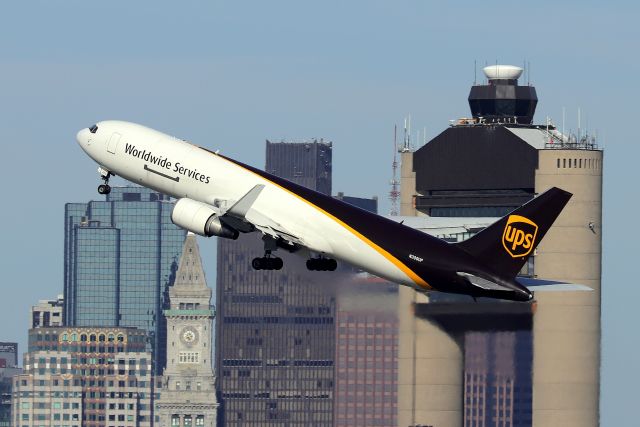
(189, 336)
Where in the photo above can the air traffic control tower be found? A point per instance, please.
(486, 165)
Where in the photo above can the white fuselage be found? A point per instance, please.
(182, 170)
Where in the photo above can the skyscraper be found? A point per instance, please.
(366, 383)
(275, 338)
(120, 256)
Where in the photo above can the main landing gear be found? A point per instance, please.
(322, 264)
(267, 262)
(104, 175)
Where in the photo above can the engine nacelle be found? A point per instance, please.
(201, 219)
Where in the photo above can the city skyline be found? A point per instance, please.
(228, 77)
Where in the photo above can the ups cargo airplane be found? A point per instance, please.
(219, 196)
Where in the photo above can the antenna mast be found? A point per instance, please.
(394, 194)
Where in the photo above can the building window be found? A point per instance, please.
(175, 420)
(200, 420)
(188, 357)
(187, 421)
(564, 163)
(558, 166)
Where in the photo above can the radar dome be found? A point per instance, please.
(502, 72)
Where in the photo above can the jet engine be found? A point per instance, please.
(201, 219)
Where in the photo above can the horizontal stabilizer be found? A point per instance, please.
(540, 285)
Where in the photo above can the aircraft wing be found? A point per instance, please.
(276, 231)
(244, 219)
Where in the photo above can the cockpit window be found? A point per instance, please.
(93, 129)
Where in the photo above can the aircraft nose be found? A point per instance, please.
(83, 137)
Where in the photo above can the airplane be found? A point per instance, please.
(220, 196)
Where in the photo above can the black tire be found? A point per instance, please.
(277, 263)
(257, 264)
(101, 189)
(107, 189)
(311, 264)
(332, 264)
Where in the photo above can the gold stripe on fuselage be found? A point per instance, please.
(395, 261)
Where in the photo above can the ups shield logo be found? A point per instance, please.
(519, 236)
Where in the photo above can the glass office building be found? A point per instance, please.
(120, 257)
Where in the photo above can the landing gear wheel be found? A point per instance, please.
(104, 189)
(322, 264)
(104, 175)
(267, 263)
(311, 264)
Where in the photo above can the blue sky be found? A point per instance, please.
(228, 75)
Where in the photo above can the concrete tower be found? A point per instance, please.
(188, 396)
(486, 166)
(566, 375)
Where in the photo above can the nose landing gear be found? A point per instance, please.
(104, 175)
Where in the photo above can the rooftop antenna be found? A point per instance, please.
(408, 141)
(563, 114)
(404, 138)
(475, 72)
(394, 194)
(579, 120)
(485, 78)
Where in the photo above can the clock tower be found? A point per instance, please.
(188, 395)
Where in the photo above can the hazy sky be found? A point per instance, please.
(227, 75)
